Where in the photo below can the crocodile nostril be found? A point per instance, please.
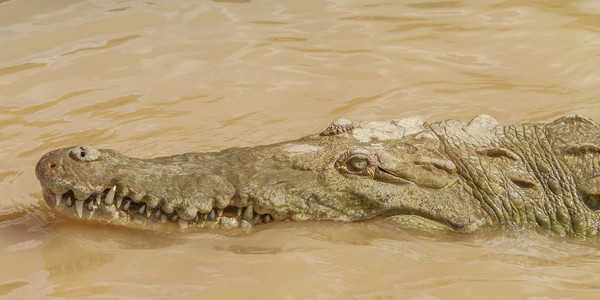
(52, 165)
(84, 153)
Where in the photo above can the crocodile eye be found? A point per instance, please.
(358, 163)
(85, 153)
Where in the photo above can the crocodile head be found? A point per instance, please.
(350, 172)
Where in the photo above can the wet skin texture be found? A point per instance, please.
(445, 176)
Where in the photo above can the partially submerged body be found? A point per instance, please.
(450, 176)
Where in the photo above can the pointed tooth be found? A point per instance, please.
(156, 214)
(249, 213)
(267, 219)
(174, 218)
(90, 205)
(183, 224)
(110, 196)
(69, 202)
(98, 198)
(148, 212)
(57, 199)
(79, 207)
(142, 210)
(239, 212)
(212, 216)
(119, 201)
(220, 212)
(163, 217)
(126, 205)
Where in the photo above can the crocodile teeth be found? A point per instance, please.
(90, 205)
(174, 218)
(142, 209)
(267, 219)
(212, 216)
(183, 224)
(110, 196)
(126, 205)
(69, 202)
(98, 198)
(119, 201)
(249, 213)
(57, 199)
(163, 218)
(148, 212)
(157, 214)
(79, 207)
(220, 212)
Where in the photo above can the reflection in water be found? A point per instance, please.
(66, 259)
(151, 78)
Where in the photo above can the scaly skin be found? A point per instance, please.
(449, 176)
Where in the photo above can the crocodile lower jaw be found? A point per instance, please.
(106, 207)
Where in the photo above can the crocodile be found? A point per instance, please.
(450, 176)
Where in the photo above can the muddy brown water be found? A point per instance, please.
(163, 77)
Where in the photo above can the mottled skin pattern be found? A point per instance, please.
(444, 176)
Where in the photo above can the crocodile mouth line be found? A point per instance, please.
(125, 208)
